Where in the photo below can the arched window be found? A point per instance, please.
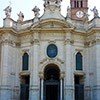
(81, 4)
(25, 60)
(75, 4)
(79, 61)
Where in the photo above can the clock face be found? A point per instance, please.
(52, 51)
(79, 14)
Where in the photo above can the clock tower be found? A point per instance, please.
(78, 8)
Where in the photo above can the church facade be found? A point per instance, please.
(51, 57)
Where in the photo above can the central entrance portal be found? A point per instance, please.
(51, 83)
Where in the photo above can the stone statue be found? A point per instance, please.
(68, 12)
(52, 2)
(86, 17)
(8, 11)
(95, 11)
(58, 2)
(21, 16)
(36, 11)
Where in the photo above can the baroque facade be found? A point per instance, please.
(51, 57)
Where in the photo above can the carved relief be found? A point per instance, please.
(35, 41)
(51, 60)
(92, 43)
(62, 75)
(52, 36)
(17, 44)
(41, 75)
(7, 38)
(26, 38)
(87, 44)
(68, 41)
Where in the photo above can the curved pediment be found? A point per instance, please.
(52, 23)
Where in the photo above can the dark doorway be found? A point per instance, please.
(51, 83)
(24, 88)
(52, 92)
(79, 88)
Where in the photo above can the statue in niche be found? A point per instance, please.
(21, 16)
(36, 11)
(95, 11)
(8, 10)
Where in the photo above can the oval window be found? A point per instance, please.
(52, 51)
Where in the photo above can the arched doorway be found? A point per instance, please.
(52, 82)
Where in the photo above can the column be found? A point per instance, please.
(34, 77)
(42, 89)
(41, 83)
(61, 89)
(69, 79)
(62, 75)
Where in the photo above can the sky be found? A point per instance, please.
(26, 7)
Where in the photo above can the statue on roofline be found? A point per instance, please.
(95, 11)
(36, 11)
(8, 10)
(68, 12)
(86, 17)
(20, 16)
(52, 2)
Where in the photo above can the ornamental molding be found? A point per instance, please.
(25, 51)
(24, 73)
(47, 61)
(68, 41)
(62, 75)
(51, 24)
(51, 60)
(87, 44)
(7, 42)
(35, 42)
(17, 44)
(91, 43)
(41, 75)
(53, 41)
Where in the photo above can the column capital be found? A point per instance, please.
(62, 75)
(41, 75)
(68, 41)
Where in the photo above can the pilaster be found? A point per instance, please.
(34, 78)
(96, 88)
(88, 74)
(69, 79)
(5, 86)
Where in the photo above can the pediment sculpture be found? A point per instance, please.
(52, 2)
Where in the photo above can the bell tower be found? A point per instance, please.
(78, 8)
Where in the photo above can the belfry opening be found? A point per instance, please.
(51, 82)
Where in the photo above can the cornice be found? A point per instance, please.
(8, 30)
(79, 32)
(93, 31)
